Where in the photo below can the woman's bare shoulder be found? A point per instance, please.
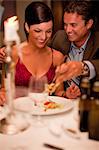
(58, 57)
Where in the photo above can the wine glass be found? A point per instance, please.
(16, 121)
(38, 95)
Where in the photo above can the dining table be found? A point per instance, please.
(59, 131)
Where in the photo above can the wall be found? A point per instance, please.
(20, 9)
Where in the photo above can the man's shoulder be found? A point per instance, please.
(95, 34)
(60, 41)
(60, 33)
(60, 37)
(96, 38)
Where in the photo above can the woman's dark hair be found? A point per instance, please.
(37, 12)
(85, 8)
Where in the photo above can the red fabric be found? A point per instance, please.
(22, 75)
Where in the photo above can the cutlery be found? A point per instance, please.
(72, 132)
(51, 88)
(55, 85)
(52, 146)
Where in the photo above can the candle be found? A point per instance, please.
(11, 26)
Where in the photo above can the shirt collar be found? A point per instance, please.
(82, 47)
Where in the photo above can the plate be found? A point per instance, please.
(27, 105)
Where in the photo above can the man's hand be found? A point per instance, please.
(68, 70)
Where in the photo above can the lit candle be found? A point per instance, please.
(11, 26)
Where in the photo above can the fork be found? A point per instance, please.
(51, 88)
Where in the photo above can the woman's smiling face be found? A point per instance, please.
(39, 34)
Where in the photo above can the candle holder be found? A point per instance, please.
(15, 121)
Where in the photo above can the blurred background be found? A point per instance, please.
(9, 8)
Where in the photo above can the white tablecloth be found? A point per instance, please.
(34, 137)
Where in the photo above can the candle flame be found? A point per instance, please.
(11, 26)
(12, 19)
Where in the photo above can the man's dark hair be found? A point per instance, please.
(84, 8)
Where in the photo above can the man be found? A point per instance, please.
(79, 41)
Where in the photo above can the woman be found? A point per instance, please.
(38, 59)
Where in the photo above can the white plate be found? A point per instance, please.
(27, 105)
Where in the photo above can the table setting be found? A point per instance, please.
(61, 130)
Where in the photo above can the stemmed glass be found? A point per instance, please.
(38, 94)
(15, 121)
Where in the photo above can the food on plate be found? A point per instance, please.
(51, 105)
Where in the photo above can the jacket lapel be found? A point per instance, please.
(66, 46)
(90, 49)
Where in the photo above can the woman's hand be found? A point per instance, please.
(2, 55)
(73, 91)
(2, 98)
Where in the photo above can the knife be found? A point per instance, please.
(52, 146)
